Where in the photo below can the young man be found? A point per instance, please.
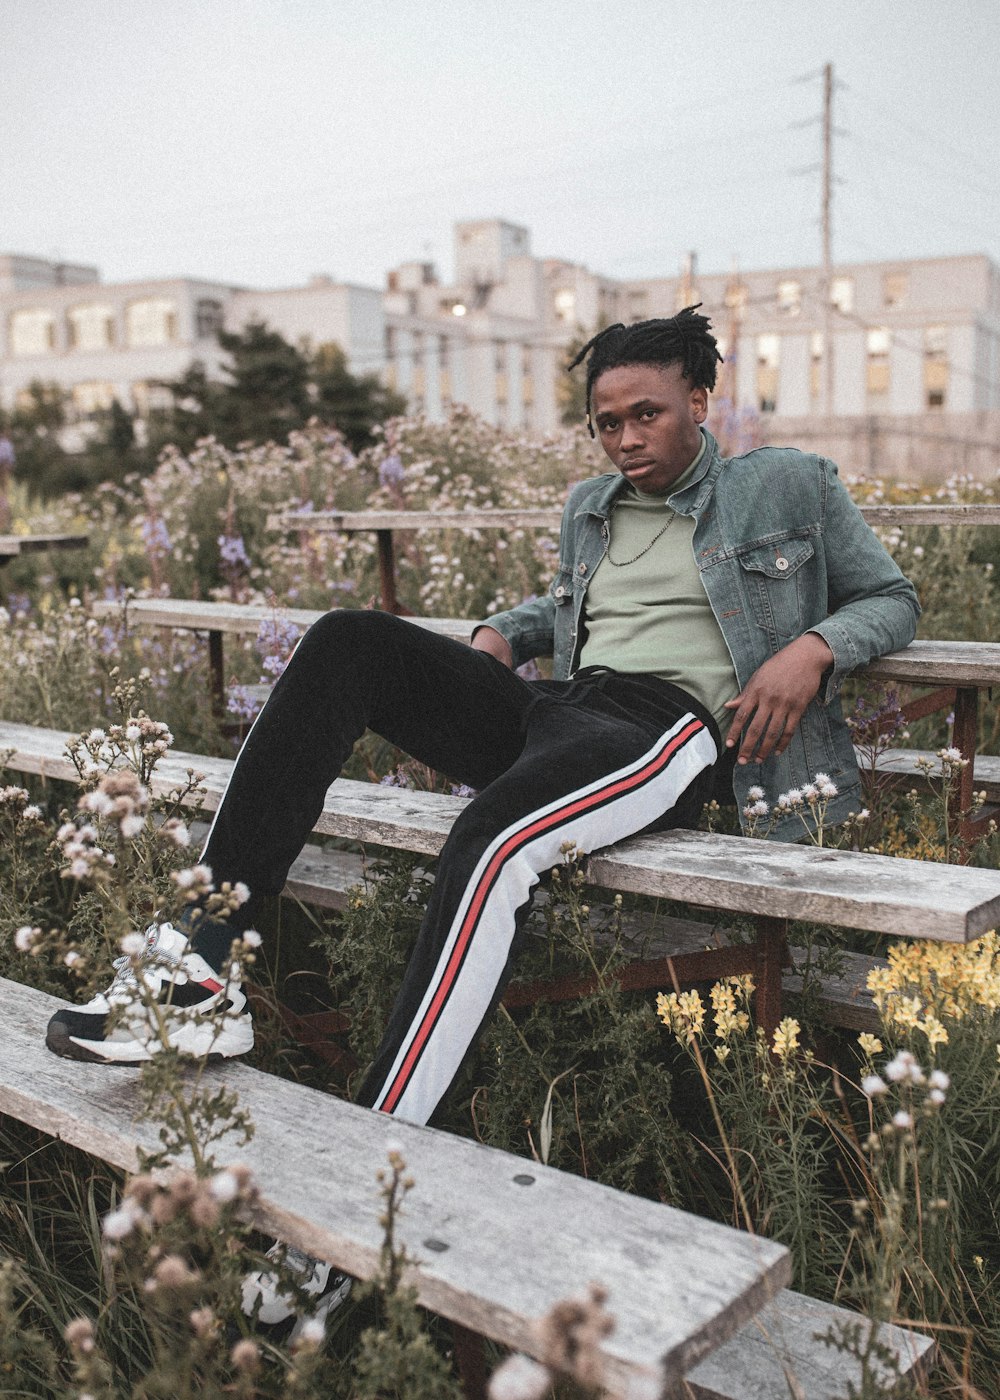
(703, 616)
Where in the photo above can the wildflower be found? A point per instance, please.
(79, 1334)
(72, 958)
(684, 1013)
(939, 1080)
(241, 893)
(755, 794)
(120, 1223)
(26, 937)
(224, 1186)
(872, 1085)
(870, 1044)
(786, 1037)
(251, 937)
(902, 1120)
(202, 1321)
(936, 1097)
(519, 1378)
(172, 1272)
(904, 1068)
(245, 1356)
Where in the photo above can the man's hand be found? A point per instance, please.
(488, 639)
(775, 697)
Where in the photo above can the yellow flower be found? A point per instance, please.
(722, 1053)
(870, 1044)
(786, 1037)
(684, 1013)
(934, 1031)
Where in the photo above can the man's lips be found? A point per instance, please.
(636, 464)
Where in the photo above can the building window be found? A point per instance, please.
(208, 318)
(736, 297)
(91, 327)
(92, 399)
(768, 358)
(842, 294)
(151, 398)
(638, 306)
(895, 288)
(564, 302)
(151, 322)
(32, 332)
(878, 342)
(789, 298)
(936, 366)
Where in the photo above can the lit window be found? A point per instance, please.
(768, 358)
(737, 296)
(896, 288)
(151, 398)
(789, 298)
(842, 293)
(151, 322)
(91, 327)
(877, 343)
(32, 332)
(208, 318)
(92, 399)
(564, 302)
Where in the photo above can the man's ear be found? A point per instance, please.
(699, 403)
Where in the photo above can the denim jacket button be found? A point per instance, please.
(781, 563)
(583, 568)
(560, 591)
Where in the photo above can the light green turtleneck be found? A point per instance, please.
(652, 616)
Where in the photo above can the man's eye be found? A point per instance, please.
(648, 413)
(608, 425)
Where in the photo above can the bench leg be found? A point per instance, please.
(470, 1361)
(966, 738)
(387, 571)
(217, 671)
(772, 955)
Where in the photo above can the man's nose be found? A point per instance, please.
(632, 437)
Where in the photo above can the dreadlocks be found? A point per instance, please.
(685, 339)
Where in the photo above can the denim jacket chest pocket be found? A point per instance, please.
(776, 581)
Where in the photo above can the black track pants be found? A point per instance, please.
(588, 761)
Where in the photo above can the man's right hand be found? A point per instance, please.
(488, 639)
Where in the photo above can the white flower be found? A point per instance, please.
(184, 878)
(828, 789)
(132, 825)
(939, 1080)
(759, 809)
(904, 1067)
(902, 1120)
(936, 1096)
(32, 813)
(132, 945)
(26, 937)
(519, 1378)
(950, 755)
(755, 794)
(120, 1223)
(241, 892)
(72, 958)
(252, 938)
(96, 736)
(873, 1084)
(224, 1186)
(312, 1332)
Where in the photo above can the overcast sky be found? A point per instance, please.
(261, 141)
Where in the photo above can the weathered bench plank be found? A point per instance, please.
(497, 1240)
(849, 889)
(241, 619)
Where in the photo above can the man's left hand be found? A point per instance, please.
(774, 699)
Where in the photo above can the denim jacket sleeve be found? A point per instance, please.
(872, 605)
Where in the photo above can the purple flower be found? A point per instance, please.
(397, 778)
(241, 703)
(529, 671)
(391, 471)
(462, 790)
(232, 552)
(155, 535)
(276, 640)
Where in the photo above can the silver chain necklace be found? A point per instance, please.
(624, 563)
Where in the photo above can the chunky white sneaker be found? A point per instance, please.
(320, 1281)
(204, 1012)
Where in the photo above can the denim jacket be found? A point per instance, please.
(781, 549)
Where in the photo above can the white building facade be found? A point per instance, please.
(914, 345)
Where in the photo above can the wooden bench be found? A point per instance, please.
(496, 1240)
(771, 883)
(384, 522)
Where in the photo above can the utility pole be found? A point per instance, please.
(827, 257)
(734, 301)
